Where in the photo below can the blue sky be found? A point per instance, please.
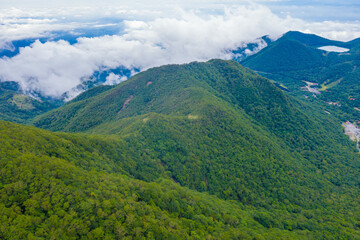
(318, 10)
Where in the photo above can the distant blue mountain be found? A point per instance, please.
(294, 61)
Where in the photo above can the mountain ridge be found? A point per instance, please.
(282, 165)
(173, 113)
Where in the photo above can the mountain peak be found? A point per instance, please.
(176, 89)
(311, 40)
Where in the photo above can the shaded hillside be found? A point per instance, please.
(294, 60)
(295, 57)
(285, 55)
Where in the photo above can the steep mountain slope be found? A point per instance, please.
(221, 128)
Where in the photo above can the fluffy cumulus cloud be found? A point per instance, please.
(56, 67)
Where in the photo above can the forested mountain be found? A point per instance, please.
(29, 102)
(294, 61)
(62, 186)
(297, 53)
(220, 128)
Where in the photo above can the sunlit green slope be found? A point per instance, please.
(221, 128)
(61, 186)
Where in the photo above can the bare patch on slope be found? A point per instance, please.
(127, 101)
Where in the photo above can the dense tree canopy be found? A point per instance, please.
(196, 151)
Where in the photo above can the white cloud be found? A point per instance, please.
(334, 49)
(343, 31)
(113, 79)
(56, 67)
(53, 68)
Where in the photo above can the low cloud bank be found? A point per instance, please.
(334, 49)
(53, 68)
